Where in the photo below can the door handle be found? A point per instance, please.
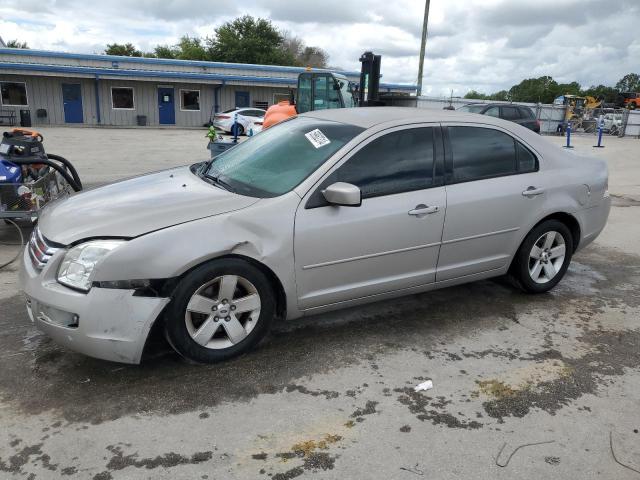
(533, 192)
(422, 210)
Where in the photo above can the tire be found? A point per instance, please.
(204, 328)
(550, 238)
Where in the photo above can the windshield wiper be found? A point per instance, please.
(218, 181)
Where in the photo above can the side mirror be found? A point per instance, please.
(344, 194)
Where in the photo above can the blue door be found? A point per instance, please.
(242, 99)
(166, 106)
(72, 100)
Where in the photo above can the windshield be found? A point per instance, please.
(278, 159)
(472, 108)
(347, 93)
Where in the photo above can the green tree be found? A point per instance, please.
(541, 89)
(249, 40)
(475, 95)
(191, 48)
(124, 50)
(165, 51)
(608, 94)
(629, 83)
(304, 55)
(17, 44)
(502, 95)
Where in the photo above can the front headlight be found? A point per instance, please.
(78, 264)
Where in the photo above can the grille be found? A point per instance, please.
(39, 250)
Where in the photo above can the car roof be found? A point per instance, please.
(367, 117)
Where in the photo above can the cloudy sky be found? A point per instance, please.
(485, 45)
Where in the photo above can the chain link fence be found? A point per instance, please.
(553, 118)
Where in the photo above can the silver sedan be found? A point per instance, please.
(327, 210)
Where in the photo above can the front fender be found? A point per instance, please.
(262, 232)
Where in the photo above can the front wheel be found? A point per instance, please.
(543, 257)
(220, 310)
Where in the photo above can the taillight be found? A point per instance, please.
(257, 123)
(223, 117)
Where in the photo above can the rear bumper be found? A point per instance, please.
(110, 324)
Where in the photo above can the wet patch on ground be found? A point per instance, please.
(313, 453)
(426, 408)
(611, 352)
(120, 460)
(328, 394)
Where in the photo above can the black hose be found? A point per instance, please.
(62, 171)
(21, 244)
(69, 167)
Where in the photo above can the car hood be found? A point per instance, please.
(136, 206)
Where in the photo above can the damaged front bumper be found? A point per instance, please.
(105, 323)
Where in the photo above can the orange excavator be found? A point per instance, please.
(323, 90)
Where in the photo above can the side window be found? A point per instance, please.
(493, 112)
(526, 113)
(481, 153)
(303, 102)
(510, 113)
(526, 160)
(398, 162)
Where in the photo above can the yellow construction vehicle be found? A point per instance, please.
(579, 110)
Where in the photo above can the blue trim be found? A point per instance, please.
(145, 73)
(164, 61)
(163, 74)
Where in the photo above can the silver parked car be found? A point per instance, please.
(330, 209)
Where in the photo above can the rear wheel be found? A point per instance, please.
(220, 310)
(543, 257)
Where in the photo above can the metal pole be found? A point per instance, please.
(568, 145)
(423, 45)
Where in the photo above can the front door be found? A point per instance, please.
(242, 99)
(489, 207)
(391, 241)
(166, 106)
(72, 101)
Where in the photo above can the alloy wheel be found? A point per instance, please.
(547, 257)
(222, 312)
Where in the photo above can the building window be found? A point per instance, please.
(14, 94)
(122, 98)
(190, 100)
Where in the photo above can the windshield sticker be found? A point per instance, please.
(317, 138)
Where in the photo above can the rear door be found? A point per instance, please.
(510, 113)
(528, 119)
(493, 190)
(391, 241)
